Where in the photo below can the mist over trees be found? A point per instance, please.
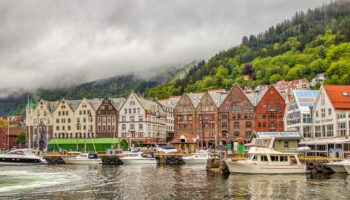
(317, 41)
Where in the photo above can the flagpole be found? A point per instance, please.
(8, 132)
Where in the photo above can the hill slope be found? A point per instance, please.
(310, 43)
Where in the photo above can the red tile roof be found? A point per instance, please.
(339, 95)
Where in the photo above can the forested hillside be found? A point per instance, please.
(314, 42)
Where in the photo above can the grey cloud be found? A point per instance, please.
(58, 43)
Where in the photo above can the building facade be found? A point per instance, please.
(142, 122)
(185, 120)
(107, 117)
(236, 116)
(168, 106)
(331, 122)
(39, 122)
(269, 112)
(298, 115)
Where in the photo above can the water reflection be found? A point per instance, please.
(154, 182)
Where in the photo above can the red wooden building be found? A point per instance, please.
(269, 111)
(14, 132)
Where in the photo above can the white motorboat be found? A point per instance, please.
(20, 157)
(339, 167)
(137, 158)
(347, 167)
(83, 159)
(197, 158)
(263, 159)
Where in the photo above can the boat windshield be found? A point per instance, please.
(16, 153)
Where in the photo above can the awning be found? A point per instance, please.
(325, 141)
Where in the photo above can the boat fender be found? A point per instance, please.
(319, 167)
(310, 165)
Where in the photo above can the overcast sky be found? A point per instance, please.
(57, 43)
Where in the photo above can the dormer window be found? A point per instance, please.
(346, 94)
(132, 103)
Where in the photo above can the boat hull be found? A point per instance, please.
(138, 161)
(237, 167)
(83, 162)
(347, 168)
(195, 160)
(21, 161)
(337, 168)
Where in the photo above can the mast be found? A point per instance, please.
(8, 132)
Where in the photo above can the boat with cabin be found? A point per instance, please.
(138, 158)
(20, 157)
(263, 159)
(200, 157)
(83, 159)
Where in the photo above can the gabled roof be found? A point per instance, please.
(195, 98)
(255, 96)
(218, 96)
(95, 102)
(339, 95)
(272, 88)
(117, 102)
(73, 104)
(51, 105)
(305, 99)
(170, 102)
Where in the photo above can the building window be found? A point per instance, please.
(99, 128)
(245, 116)
(248, 124)
(317, 131)
(329, 130)
(307, 131)
(134, 110)
(236, 133)
(132, 118)
(132, 126)
(238, 116)
(264, 116)
(224, 125)
(125, 111)
(316, 113)
(271, 115)
(248, 134)
(236, 125)
(259, 116)
(259, 124)
(329, 111)
(272, 125)
(224, 116)
(140, 126)
(138, 110)
(132, 103)
(286, 144)
(323, 112)
(341, 129)
(57, 128)
(123, 127)
(123, 118)
(280, 115)
(281, 125)
(57, 120)
(140, 118)
(264, 124)
(68, 128)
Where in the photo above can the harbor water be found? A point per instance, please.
(162, 182)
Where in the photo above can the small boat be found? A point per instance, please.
(83, 159)
(20, 157)
(263, 159)
(138, 158)
(339, 167)
(197, 158)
